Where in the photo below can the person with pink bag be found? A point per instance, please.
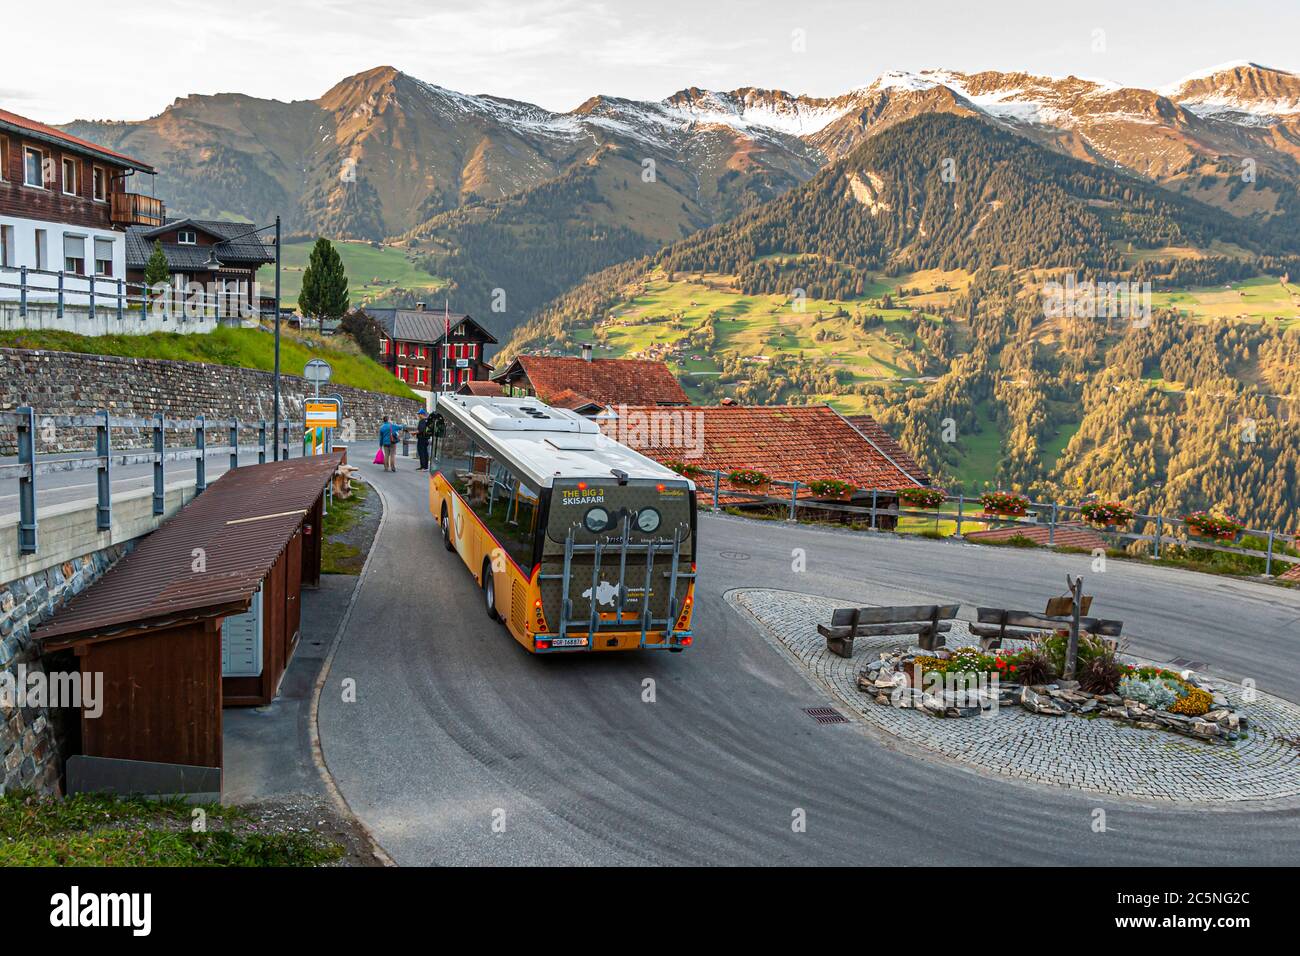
(387, 455)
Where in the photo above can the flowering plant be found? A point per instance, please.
(682, 468)
(1106, 512)
(748, 477)
(921, 497)
(1004, 503)
(1213, 526)
(830, 487)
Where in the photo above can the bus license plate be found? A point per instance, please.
(569, 642)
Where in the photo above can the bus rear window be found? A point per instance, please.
(595, 510)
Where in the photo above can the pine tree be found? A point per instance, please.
(155, 270)
(324, 292)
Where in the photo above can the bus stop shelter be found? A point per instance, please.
(202, 614)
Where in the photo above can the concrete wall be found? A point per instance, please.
(64, 383)
(44, 314)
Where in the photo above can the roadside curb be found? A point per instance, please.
(317, 750)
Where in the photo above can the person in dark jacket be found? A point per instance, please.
(423, 432)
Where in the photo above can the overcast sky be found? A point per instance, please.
(128, 59)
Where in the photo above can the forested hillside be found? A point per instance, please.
(886, 285)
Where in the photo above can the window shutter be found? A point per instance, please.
(74, 247)
(104, 249)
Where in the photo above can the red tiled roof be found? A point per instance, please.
(603, 381)
(1070, 535)
(50, 132)
(1292, 574)
(480, 387)
(886, 443)
(785, 442)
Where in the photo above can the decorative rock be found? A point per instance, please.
(1203, 728)
(1039, 704)
(1147, 725)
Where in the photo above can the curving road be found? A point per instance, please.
(462, 749)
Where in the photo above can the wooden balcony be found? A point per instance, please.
(132, 209)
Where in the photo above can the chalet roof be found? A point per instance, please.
(423, 326)
(785, 442)
(601, 381)
(234, 247)
(479, 387)
(884, 441)
(1065, 535)
(241, 522)
(50, 134)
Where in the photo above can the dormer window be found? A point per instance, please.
(187, 237)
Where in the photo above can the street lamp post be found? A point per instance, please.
(277, 339)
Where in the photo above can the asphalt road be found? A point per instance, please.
(80, 485)
(463, 749)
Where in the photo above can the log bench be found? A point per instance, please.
(995, 624)
(928, 621)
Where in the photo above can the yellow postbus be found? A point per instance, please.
(579, 543)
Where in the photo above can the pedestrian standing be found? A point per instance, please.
(388, 432)
(423, 433)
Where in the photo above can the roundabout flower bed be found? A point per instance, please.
(1083, 750)
(1004, 503)
(969, 682)
(1106, 514)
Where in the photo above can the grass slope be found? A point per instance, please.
(657, 319)
(371, 272)
(241, 348)
(94, 830)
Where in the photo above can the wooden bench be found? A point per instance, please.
(996, 624)
(929, 621)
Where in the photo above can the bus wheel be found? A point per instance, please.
(446, 531)
(490, 591)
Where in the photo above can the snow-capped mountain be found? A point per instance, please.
(420, 150)
(1241, 92)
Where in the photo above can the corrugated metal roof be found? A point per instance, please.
(241, 522)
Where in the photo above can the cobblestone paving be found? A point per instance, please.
(1098, 755)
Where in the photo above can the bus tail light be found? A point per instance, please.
(539, 617)
(686, 641)
(684, 619)
(542, 643)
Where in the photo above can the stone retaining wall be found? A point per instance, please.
(67, 383)
(31, 737)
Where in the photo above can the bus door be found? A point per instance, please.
(617, 557)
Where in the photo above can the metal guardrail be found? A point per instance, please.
(1165, 531)
(124, 299)
(32, 463)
